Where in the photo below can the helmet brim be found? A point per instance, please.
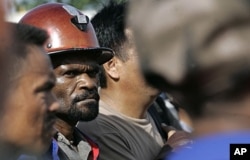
(100, 54)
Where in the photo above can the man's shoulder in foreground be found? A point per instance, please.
(212, 147)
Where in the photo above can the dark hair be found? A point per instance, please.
(29, 34)
(109, 24)
(22, 37)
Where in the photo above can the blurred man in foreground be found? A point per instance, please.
(200, 52)
(27, 121)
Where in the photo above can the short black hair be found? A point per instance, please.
(22, 37)
(110, 24)
(29, 34)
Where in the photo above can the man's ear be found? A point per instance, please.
(111, 68)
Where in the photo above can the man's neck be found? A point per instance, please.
(65, 128)
(134, 107)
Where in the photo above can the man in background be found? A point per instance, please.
(125, 128)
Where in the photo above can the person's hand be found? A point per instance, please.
(168, 129)
(176, 138)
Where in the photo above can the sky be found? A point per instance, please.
(13, 16)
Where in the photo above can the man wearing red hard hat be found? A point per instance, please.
(76, 56)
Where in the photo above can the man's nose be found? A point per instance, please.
(84, 81)
(54, 104)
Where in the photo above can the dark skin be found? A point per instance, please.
(77, 91)
(28, 121)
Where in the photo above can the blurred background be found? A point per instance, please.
(15, 9)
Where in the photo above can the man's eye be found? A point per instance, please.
(46, 87)
(70, 73)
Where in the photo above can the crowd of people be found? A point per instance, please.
(141, 80)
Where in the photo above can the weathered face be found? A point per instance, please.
(77, 88)
(29, 118)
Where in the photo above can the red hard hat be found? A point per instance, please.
(70, 31)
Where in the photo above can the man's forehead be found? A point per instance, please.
(36, 77)
(73, 59)
(77, 62)
(87, 65)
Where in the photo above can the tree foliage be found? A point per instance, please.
(80, 4)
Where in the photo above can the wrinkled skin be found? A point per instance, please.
(77, 88)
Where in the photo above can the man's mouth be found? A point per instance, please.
(93, 97)
(85, 101)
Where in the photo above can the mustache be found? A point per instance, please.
(92, 94)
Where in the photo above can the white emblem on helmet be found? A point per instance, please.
(74, 12)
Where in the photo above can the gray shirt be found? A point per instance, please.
(79, 149)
